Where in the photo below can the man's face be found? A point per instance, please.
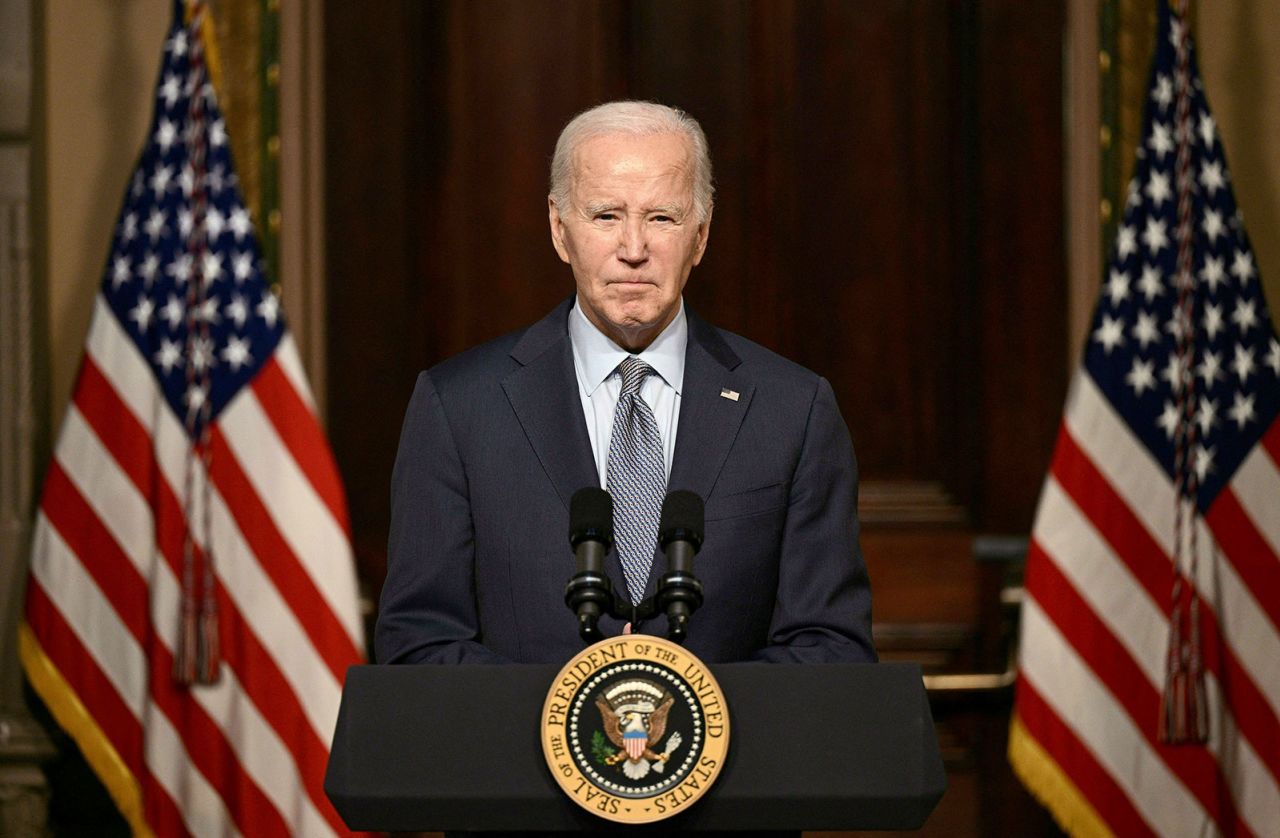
(631, 234)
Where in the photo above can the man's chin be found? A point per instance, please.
(634, 319)
(632, 329)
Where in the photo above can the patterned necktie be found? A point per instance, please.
(636, 478)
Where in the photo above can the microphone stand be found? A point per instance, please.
(589, 592)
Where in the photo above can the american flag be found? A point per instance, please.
(1166, 468)
(636, 741)
(190, 470)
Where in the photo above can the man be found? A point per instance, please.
(497, 440)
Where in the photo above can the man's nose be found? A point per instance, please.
(633, 245)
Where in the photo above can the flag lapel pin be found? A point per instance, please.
(731, 395)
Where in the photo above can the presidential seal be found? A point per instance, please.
(635, 729)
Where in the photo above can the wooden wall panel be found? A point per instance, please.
(441, 120)
(1022, 258)
(875, 180)
(372, 221)
(889, 213)
(506, 93)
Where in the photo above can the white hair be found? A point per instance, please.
(638, 119)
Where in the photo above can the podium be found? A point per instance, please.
(815, 746)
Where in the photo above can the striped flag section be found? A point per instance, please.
(191, 472)
(1167, 467)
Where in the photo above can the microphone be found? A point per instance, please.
(680, 533)
(591, 536)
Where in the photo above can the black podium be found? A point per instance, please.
(812, 747)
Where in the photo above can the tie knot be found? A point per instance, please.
(634, 372)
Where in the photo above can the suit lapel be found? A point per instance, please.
(543, 392)
(709, 421)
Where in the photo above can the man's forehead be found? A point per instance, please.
(625, 154)
(610, 166)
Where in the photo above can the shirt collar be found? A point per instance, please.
(596, 356)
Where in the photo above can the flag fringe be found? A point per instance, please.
(1049, 784)
(74, 718)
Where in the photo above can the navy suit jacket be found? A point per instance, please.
(494, 445)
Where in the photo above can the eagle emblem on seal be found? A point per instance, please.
(634, 713)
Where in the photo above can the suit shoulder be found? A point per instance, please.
(766, 365)
(474, 370)
(485, 365)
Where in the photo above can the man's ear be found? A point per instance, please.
(704, 231)
(557, 229)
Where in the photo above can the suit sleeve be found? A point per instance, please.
(823, 608)
(428, 609)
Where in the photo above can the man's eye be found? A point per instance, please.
(665, 219)
(605, 216)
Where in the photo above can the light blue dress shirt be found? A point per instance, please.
(595, 361)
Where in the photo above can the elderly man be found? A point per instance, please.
(623, 387)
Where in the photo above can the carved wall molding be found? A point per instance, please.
(915, 503)
(24, 747)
